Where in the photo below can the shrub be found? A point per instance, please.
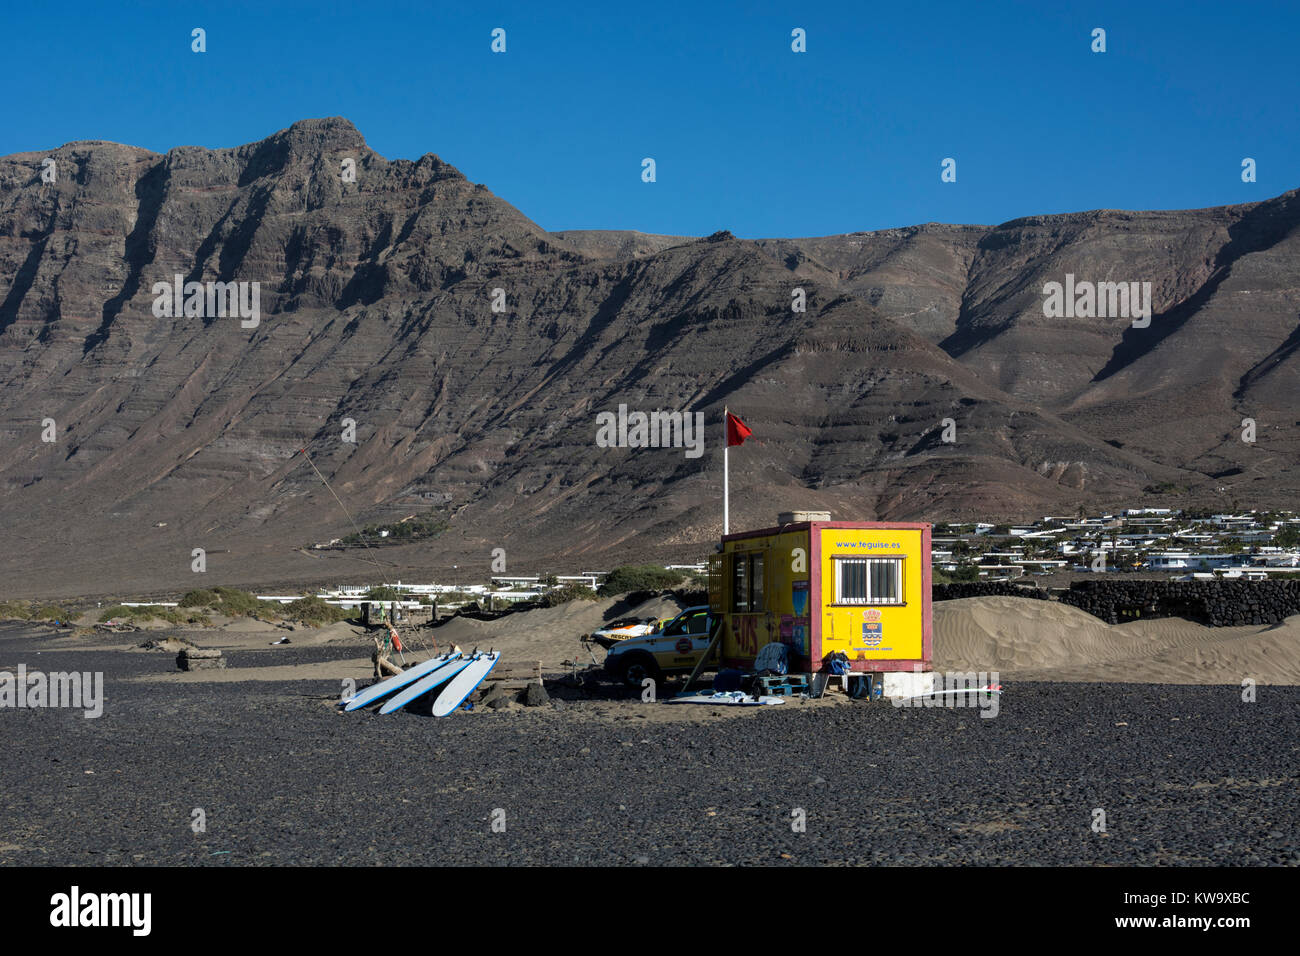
(1287, 537)
(639, 577)
(314, 611)
(383, 594)
(236, 603)
(203, 598)
(965, 572)
(14, 610)
(413, 528)
(172, 615)
(151, 612)
(1166, 488)
(50, 612)
(570, 592)
(455, 597)
(130, 613)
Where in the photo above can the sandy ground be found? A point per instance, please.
(1045, 641)
(1188, 775)
(1191, 775)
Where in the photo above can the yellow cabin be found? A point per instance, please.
(820, 586)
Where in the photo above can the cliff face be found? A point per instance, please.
(175, 432)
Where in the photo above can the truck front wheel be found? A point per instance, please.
(637, 668)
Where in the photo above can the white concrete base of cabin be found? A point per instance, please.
(907, 683)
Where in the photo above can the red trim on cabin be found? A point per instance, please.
(927, 598)
(814, 598)
(878, 666)
(813, 525)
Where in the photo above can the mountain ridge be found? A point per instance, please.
(174, 433)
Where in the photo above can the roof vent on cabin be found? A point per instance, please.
(795, 517)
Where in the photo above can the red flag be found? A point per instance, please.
(737, 431)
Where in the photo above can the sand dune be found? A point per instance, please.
(549, 635)
(1043, 640)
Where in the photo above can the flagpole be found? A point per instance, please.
(726, 449)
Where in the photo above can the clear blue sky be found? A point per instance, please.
(747, 135)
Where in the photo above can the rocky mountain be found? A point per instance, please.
(138, 431)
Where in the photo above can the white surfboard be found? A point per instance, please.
(426, 684)
(955, 692)
(464, 684)
(372, 693)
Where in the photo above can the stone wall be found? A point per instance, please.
(1216, 603)
(969, 589)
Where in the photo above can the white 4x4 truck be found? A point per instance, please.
(677, 648)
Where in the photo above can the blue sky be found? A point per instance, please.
(746, 134)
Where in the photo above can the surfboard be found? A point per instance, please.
(733, 698)
(426, 684)
(986, 691)
(464, 684)
(385, 687)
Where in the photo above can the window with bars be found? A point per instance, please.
(869, 581)
(747, 583)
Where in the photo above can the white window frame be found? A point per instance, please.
(898, 599)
